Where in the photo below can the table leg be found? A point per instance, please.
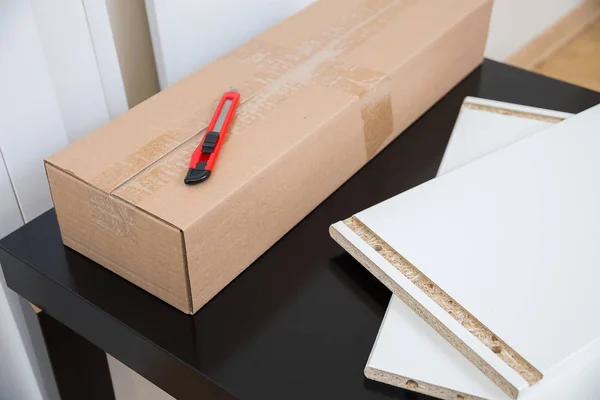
(80, 368)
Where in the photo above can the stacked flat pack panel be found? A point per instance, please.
(504, 216)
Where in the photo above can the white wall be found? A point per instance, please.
(188, 34)
(19, 377)
(30, 128)
(71, 60)
(516, 22)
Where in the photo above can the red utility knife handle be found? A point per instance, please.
(203, 162)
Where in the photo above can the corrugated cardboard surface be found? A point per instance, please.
(121, 237)
(322, 93)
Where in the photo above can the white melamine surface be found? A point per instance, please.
(478, 132)
(576, 379)
(406, 346)
(393, 274)
(513, 237)
(482, 127)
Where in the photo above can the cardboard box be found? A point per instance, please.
(322, 93)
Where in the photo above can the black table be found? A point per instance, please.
(298, 324)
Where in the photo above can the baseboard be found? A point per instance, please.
(559, 34)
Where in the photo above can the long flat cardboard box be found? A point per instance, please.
(500, 255)
(322, 93)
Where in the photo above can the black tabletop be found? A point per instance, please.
(297, 324)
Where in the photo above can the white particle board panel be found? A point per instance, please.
(188, 34)
(484, 126)
(404, 288)
(408, 349)
(522, 257)
(490, 125)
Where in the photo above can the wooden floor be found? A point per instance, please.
(578, 61)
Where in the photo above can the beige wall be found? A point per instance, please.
(134, 49)
(516, 22)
